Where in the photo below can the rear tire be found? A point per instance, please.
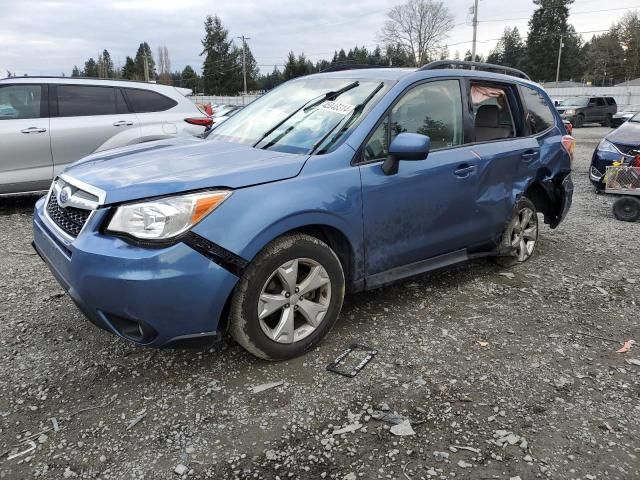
(288, 298)
(579, 123)
(520, 238)
(627, 209)
(608, 121)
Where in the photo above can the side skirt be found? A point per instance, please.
(423, 266)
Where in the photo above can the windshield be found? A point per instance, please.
(303, 116)
(574, 102)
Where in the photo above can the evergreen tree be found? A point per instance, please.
(129, 69)
(189, 79)
(76, 72)
(547, 25)
(604, 59)
(90, 68)
(629, 29)
(468, 55)
(105, 65)
(144, 50)
(220, 67)
(510, 50)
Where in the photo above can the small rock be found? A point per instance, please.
(441, 456)
(181, 469)
(403, 429)
(463, 464)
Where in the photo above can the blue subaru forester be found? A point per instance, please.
(340, 181)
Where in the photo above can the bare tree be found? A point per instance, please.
(164, 66)
(419, 27)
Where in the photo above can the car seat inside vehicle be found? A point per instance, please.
(493, 119)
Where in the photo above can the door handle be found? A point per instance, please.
(122, 123)
(464, 170)
(530, 155)
(33, 130)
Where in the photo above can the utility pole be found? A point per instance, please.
(244, 61)
(475, 31)
(146, 67)
(559, 57)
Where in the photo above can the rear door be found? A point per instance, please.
(89, 118)
(25, 150)
(504, 150)
(156, 113)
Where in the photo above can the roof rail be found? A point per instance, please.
(59, 77)
(350, 66)
(487, 67)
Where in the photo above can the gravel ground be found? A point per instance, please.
(500, 374)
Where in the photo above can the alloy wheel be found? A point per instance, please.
(524, 234)
(294, 300)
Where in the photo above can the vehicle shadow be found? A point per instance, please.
(18, 205)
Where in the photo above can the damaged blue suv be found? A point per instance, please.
(341, 181)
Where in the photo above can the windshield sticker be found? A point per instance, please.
(337, 107)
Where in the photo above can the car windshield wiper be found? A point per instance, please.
(356, 111)
(305, 107)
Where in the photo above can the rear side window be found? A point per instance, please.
(611, 101)
(600, 102)
(20, 101)
(539, 114)
(86, 100)
(145, 101)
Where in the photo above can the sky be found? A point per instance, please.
(49, 37)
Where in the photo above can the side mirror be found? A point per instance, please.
(406, 146)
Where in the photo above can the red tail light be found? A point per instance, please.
(202, 121)
(569, 144)
(635, 162)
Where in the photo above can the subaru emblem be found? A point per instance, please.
(64, 196)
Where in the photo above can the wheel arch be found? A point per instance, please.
(326, 231)
(543, 195)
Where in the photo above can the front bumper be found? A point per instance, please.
(148, 296)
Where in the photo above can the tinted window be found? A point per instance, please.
(84, 100)
(433, 109)
(539, 116)
(611, 101)
(600, 102)
(20, 101)
(144, 101)
(121, 104)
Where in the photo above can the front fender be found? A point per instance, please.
(254, 216)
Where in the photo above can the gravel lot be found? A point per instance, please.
(500, 374)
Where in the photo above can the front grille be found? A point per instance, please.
(69, 219)
(630, 150)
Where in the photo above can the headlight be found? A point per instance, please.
(569, 112)
(607, 146)
(165, 218)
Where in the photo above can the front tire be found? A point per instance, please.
(520, 238)
(579, 122)
(288, 298)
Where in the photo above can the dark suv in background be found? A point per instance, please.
(581, 110)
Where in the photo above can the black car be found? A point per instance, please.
(622, 146)
(581, 110)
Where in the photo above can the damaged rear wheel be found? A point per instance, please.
(520, 238)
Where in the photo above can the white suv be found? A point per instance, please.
(47, 123)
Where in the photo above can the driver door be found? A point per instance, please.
(423, 211)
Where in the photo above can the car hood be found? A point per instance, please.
(627, 134)
(569, 107)
(179, 165)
